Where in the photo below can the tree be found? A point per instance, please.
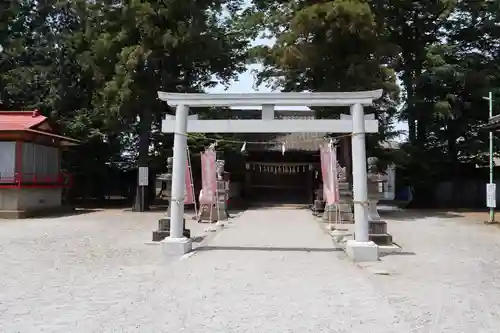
(326, 46)
(174, 45)
(409, 28)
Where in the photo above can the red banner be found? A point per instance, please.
(329, 174)
(208, 177)
(189, 190)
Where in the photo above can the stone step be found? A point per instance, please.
(381, 239)
(377, 227)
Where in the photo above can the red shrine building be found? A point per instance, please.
(31, 178)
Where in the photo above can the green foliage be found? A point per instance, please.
(328, 46)
(95, 68)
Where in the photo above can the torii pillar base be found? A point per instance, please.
(361, 251)
(172, 247)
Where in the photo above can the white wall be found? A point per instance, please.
(7, 160)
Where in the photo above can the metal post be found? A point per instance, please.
(490, 102)
(359, 174)
(179, 172)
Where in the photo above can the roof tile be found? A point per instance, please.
(20, 120)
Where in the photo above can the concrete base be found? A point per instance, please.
(387, 249)
(361, 251)
(176, 246)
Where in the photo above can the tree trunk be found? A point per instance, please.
(452, 150)
(412, 130)
(142, 197)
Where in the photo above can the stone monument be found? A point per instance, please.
(164, 182)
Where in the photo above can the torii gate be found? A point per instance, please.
(360, 249)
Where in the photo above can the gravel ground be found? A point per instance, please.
(267, 271)
(448, 277)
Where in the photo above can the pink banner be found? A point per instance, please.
(329, 174)
(189, 191)
(208, 177)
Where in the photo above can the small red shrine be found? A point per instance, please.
(31, 179)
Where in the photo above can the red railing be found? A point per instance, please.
(31, 180)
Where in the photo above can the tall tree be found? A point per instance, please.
(174, 45)
(326, 46)
(410, 27)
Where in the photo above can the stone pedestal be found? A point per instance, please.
(218, 212)
(164, 230)
(342, 211)
(164, 187)
(172, 247)
(212, 213)
(377, 229)
(361, 251)
(318, 206)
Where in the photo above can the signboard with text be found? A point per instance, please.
(491, 195)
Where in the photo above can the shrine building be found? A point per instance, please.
(31, 177)
(269, 175)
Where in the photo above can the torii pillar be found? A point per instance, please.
(359, 249)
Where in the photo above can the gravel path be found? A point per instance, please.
(267, 271)
(448, 278)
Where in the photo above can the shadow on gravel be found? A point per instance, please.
(265, 249)
(397, 254)
(414, 214)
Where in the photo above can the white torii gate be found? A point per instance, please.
(360, 249)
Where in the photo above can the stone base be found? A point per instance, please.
(318, 206)
(164, 229)
(377, 233)
(361, 251)
(338, 214)
(377, 227)
(214, 215)
(381, 239)
(161, 235)
(388, 249)
(176, 246)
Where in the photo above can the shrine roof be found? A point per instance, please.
(293, 141)
(20, 120)
(32, 122)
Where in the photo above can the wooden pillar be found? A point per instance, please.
(310, 185)
(18, 171)
(248, 182)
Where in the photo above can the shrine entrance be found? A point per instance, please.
(278, 183)
(356, 124)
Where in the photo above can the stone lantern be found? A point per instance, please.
(375, 182)
(164, 183)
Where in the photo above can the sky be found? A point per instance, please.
(245, 84)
